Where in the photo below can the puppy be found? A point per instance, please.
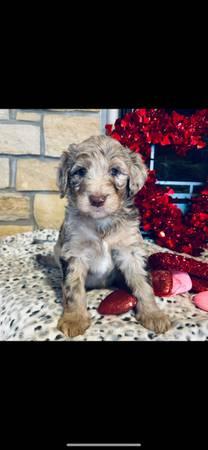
(99, 244)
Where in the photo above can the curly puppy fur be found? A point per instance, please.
(99, 243)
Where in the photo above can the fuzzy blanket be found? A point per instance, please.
(30, 300)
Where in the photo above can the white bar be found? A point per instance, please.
(112, 115)
(191, 188)
(103, 120)
(181, 195)
(152, 157)
(182, 183)
(103, 445)
(108, 116)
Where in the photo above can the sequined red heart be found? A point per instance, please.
(162, 282)
(118, 302)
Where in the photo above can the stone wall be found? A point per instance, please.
(31, 142)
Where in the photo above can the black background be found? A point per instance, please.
(151, 393)
(56, 393)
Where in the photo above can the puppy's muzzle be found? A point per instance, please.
(97, 200)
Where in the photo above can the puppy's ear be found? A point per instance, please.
(138, 173)
(64, 169)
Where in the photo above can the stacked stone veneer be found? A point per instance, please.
(31, 142)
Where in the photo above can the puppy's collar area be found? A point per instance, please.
(105, 225)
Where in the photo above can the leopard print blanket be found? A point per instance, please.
(30, 300)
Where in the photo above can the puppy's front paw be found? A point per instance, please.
(73, 324)
(156, 321)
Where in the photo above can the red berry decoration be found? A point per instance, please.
(118, 302)
(162, 282)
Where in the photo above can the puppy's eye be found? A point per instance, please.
(81, 172)
(114, 172)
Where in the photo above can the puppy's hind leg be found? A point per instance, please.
(47, 260)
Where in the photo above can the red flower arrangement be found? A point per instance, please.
(169, 227)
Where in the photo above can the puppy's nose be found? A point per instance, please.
(97, 200)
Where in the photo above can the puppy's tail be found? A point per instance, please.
(46, 260)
